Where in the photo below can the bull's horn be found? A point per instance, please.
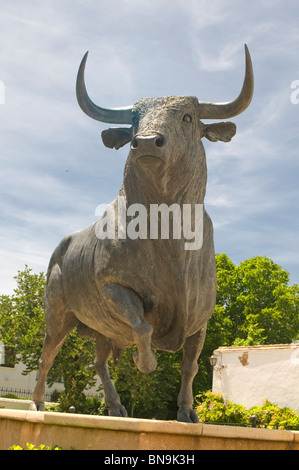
(113, 116)
(233, 108)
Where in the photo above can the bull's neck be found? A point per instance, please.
(146, 187)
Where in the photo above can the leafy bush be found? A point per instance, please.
(151, 395)
(82, 404)
(11, 395)
(55, 395)
(213, 408)
(275, 417)
(33, 447)
(94, 406)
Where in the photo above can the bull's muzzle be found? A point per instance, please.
(148, 149)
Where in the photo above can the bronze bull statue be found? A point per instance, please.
(151, 292)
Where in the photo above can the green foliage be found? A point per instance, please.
(74, 364)
(82, 404)
(30, 446)
(94, 406)
(22, 318)
(213, 408)
(149, 395)
(255, 305)
(22, 326)
(275, 417)
(11, 395)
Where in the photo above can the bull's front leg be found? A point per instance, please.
(189, 368)
(129, 306)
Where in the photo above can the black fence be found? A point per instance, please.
(20, 393)
(27, 394)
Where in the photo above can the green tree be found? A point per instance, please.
(22, 318)
(151, 395)
(22, 326)
(74, 363)
(255, 304)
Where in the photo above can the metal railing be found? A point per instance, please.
(20, 393)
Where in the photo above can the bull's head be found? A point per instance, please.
(160, 124)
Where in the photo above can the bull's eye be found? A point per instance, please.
(187, 118)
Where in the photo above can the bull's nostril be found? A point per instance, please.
(134, 143)
(160, 141)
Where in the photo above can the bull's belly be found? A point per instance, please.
(171, 322)
(176, 309)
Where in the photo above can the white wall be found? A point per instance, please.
(13, 378)
(248, 375)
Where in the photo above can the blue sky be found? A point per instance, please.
(54, 168)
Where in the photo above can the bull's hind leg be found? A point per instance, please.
(59, 323)
(128, 305)
(103, 352)
(189, 367)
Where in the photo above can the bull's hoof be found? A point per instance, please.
(118, 410)
(146, 363)
(37, 406)
(187, 416)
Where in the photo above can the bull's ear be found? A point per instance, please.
(224, 131)
(117, 137)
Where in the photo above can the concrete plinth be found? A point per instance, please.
(83, 432)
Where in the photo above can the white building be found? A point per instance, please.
(249, 375)
(12, 379)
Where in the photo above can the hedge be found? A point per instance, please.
(214, 409)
